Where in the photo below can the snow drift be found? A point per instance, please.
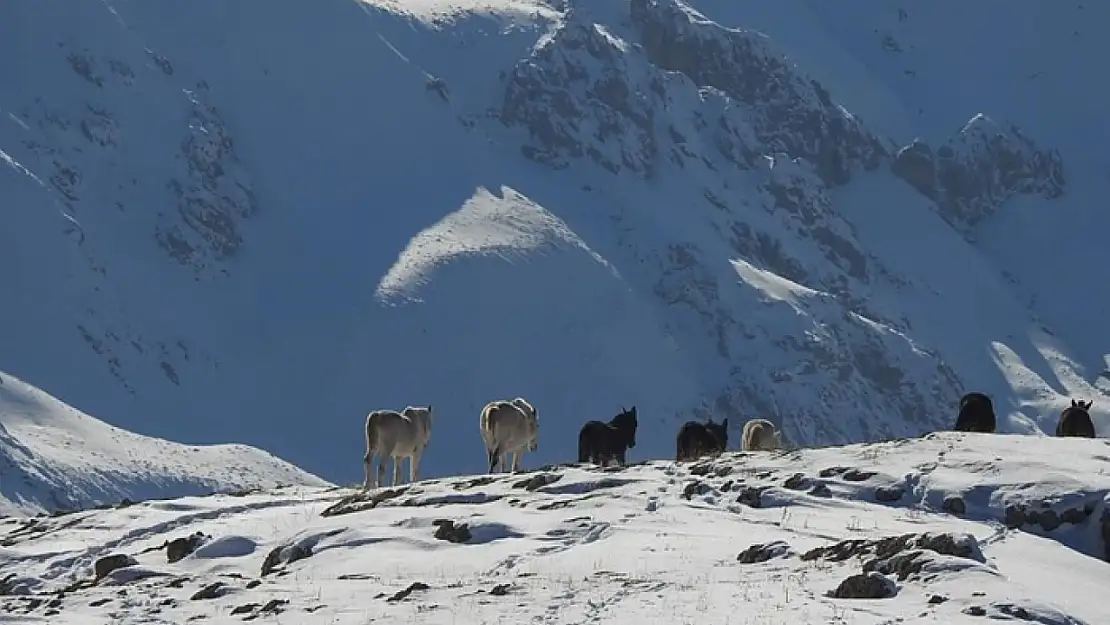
(55, 458)
(857, 534)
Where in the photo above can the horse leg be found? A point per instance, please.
(381, 470)
(516, 460)
(414, 465)
(396, 461)
(491, 459)
(621, 457)
(366, 465)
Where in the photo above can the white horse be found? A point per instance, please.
(760, 434)
(398, 435)
(508, 427)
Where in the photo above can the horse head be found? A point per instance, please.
(719, 430)
(626, 423)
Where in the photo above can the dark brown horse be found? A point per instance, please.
(976, 414)
(601, 443)
(696, 439)
(1075, 420)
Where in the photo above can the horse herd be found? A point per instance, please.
(977, 415)
(512, 427)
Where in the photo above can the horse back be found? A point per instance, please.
(391, 428)
(592, 429)
(505, 422)
(692, 438)
(1075, 421)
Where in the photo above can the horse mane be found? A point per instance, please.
(1079, 405)
(625, 418)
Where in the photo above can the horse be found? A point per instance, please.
(1075, 420)
(402, 434)
(976, 414)
(760, 434)
(601, 443)
(508, 427)
(697, 439)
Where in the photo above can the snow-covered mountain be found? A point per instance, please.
(259, 223)
(951, 528)
(54, 458)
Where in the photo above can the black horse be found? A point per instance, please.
(701, 439)
(976, 414)
(1075, 420)
(601, 443)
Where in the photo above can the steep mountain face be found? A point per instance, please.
(674, 205)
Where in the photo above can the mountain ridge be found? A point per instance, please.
(254, 242)
(54, 459)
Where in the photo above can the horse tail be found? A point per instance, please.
(492, 457)
(583, 446)
(371, 437)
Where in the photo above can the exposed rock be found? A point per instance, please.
(889, 494)
(362, 500)
(403, 594)
(865, 586)
(701, 468)
(211, 197)
(903, 555)
(448, 530)
(246, 608)
(107, 564)
(954, 505)
(764, 552)
(798, 481)
(1047, 518)
(752, 496)
(784, 107)
(178, 548)
(214, 590)
(284, 555)
(978, 169)
(820, 490)
(697, 487)
(538, 481)
(855, 475)
(483, 480)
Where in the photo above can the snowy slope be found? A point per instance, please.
(243, 221)
(745, 538)
(53, 457)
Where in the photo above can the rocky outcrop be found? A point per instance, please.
(212, 196)
(619, 99)
(671, 91)
(977, 170)
(787, 110)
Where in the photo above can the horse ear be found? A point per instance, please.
(633, 408)
(1088, 406)
(724, 423)
(1073, 404)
